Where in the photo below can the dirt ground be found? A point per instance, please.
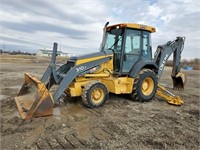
(121, 123)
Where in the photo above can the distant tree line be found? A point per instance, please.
(16, 52)
(195, 63)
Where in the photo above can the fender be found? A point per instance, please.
(75, 72)
(143, 64)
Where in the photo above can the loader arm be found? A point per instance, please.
(163, 53)
(74, 72)
(34, 98)
(51, 70)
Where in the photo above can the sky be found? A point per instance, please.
(77, 25)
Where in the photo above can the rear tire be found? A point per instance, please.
(145, 86)
(94, 94)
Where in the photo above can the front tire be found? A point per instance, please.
(145, 86)
(94, 94)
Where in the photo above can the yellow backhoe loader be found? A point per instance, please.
(124, 65)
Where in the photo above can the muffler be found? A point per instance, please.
(34, 99)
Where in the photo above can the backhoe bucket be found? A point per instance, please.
(179, 81)
(34, 99)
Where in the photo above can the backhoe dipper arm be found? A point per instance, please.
(163, 53)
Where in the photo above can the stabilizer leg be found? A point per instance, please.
(168, 96)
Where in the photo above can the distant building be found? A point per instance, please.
(45, 52)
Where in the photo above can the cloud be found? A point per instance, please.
(32, 27)
(72, 24)
(77, 25)
(154, 10)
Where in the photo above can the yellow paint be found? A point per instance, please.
(101, 72)
(97, 75)
(104, 67)
(171, 99)
(75, 88)
(81, 61)
(147, 86)
(134, 26)
(41, 87)
(97, 95)
(115, 85)
(119, 85)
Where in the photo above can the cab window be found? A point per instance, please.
(132, 49)
(146, 47)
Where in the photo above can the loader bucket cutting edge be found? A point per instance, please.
(179, 81)
(34, 99)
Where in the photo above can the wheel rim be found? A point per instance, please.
(147, 86)
(97, 95)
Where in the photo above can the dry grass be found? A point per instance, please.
(195, 63)
(28, 59)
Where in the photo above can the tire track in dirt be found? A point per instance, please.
(119, 124)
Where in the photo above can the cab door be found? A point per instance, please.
(132, 49)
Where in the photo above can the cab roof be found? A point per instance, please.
(133, 26)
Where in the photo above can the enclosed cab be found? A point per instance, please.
(131, 45)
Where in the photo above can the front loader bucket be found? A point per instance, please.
(34, 99)
(179, 81)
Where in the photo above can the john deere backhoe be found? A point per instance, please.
(124, 65)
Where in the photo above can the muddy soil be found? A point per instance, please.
(121, 123)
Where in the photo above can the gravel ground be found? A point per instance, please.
(121, 123)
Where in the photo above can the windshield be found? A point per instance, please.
(114, 39)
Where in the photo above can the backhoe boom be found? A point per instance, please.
(163, 53)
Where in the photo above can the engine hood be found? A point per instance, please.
(92, 55)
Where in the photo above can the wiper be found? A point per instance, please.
(116, 42)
